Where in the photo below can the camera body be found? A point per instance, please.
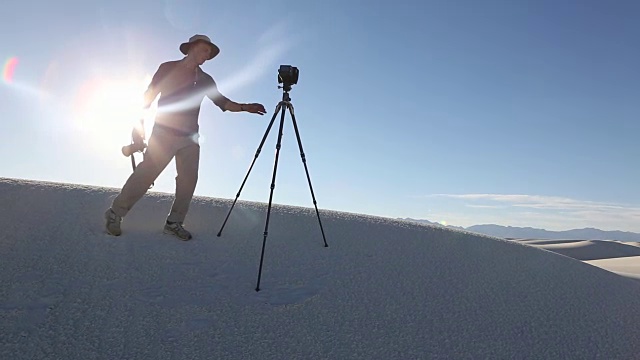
(288, 75)
(127, 150)
(137, 142)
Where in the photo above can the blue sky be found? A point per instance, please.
(521, 113)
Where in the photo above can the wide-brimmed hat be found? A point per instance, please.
(184, 47)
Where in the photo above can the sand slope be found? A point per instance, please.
(384, 289)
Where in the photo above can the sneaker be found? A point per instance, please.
(176, 229)
(113, 222)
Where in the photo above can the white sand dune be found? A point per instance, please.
(587, 249)
(622, 258)
(545, 241)
(383, 289)
(631, 243)
(625, 266)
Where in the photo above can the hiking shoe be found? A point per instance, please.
(113, 223)
(176, 229)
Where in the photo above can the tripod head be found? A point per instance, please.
(286, 87)
(285, 93)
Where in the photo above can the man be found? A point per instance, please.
(182, 86)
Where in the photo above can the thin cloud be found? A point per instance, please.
(273, 43)
(476, 206)
(543, 211)
(538, 202)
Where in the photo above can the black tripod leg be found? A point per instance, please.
(273, 186)
(304, 161)
(264, 138)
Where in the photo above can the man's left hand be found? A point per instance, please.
(254, 108)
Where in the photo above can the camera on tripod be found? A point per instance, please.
(288, 75)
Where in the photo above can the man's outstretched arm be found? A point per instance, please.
(228, 105)
(237, 107)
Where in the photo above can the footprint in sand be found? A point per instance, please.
(199, 295)
(28, 314)
(282, 296)
(192, 325)
(49, 300)
(171, 334)
(36, 291)
(46, 301)
(154, 294)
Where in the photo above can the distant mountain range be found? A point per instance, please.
(511, 232)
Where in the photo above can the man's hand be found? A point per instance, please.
(137, 134)
(254, 108)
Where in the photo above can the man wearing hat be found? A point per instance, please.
(182, 86)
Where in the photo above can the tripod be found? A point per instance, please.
(286, 102)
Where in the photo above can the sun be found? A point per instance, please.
(106, 110)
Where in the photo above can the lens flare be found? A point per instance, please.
(106, 109)
(9, 69)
